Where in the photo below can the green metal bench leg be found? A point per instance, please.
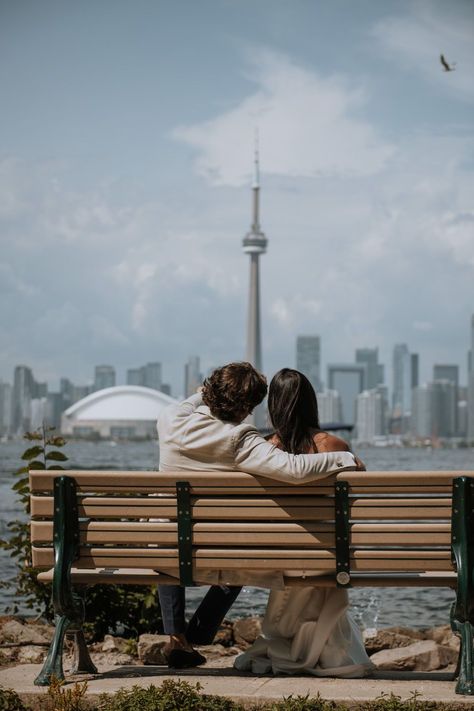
(68, 607)
(83, 663)
(465, 684)
(53, 665)
(462, 613)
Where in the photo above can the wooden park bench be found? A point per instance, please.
(354, 529)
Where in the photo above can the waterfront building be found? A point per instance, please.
(421, 412)
(349, 380)
(308, 359)
(450, 373)
(374, 369)
(192, 375)
(104, 377)
(443, 408)
(6, 399)
(23, 393)
(405, 377)
(55, 406)
(123, 412)
(329, 407)
(254, 244)
(371, 414)
(39, 413)
(415, 370)
(147, 376)
(470, 397)
(71, 393)
(462, 418)
(434, 410)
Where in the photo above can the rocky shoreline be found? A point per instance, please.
(26, 641)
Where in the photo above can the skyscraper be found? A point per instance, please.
(192, 375)
(104, 377)
(255, 244)
(451, 374)
(349, 380)
(402, 380)
(308, 359)
(148, 376)
(23, 393)
(6, 391)
(329, 407)
(375, 370)
(371, 414)
(470, 396)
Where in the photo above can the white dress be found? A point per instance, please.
(308, 630)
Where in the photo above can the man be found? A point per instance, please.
(208, 432)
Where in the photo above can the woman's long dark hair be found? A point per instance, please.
(293, 410)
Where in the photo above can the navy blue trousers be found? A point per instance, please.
(203, 625)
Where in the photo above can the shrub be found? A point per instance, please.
(10, 701)
(60, 699)
(129, 610)
(169, 696)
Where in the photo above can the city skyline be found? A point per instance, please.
(125, 173)
(354, 394)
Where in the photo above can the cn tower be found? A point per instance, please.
(255, 244)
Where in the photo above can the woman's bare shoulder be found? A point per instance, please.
(326, 442)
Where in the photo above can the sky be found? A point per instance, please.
(126, 157)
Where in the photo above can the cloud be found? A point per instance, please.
(310, 125)
(415, 41)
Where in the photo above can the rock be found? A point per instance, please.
(247, 630)
(150, 648)
(31, 654)
(225, 634)
(13, 630)
(121, 659)
(407, 632)
(424, 655)
(8, 656)
(115, 644)
(444, 635)
(386, 639)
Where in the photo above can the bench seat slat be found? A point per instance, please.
(300, 508)
(264, 559)
(132, 576)
(291, 534)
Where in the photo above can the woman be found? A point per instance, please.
(304, 629)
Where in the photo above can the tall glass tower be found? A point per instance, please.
(255, 244)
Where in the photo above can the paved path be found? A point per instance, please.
(434, 686)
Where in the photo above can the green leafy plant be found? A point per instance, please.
(129, 610)
(10, 701)
(60, 699)
(44, 452)
(169, 696)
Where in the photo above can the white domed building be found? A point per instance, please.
(122, 412)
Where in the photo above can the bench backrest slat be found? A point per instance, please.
(399, 521)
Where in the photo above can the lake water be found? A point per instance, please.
(416, 607)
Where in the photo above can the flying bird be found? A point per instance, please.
(447, 67)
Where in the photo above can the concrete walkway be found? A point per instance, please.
(249, 689)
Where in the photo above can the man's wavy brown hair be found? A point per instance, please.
(232, 392)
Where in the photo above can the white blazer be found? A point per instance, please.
(191, 438)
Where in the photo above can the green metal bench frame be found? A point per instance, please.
(69, 607)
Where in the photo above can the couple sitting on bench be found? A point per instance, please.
(305, 629)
